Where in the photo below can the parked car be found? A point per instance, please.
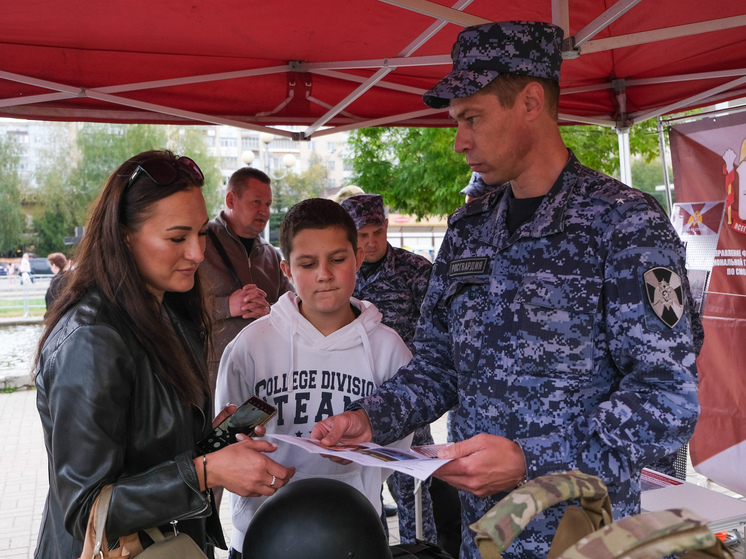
(3, 269)
(40, 266)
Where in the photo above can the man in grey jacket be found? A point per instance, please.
(243, 269)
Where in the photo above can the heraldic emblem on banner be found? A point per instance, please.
(735, 164)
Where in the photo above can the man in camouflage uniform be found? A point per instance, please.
(558, 319)
(395, 281)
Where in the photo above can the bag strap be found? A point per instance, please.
(102, 511)
(224, 256)
(497, 529)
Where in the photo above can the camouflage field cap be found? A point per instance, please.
(483, 52)
(365, 209)
(476, 187)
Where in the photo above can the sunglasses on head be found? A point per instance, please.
(164, 172)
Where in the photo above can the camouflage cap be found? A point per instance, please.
(365, 209)
(483, 52)
(476, 187)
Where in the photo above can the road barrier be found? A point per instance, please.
(19, 295)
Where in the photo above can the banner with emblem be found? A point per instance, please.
(709, 164)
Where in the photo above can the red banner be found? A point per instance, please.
(709, 164)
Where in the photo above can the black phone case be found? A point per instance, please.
(225, 433)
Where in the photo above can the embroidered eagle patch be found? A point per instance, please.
(665, 294)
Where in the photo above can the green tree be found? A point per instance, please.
(293, 188)
(597, 147)
(69, 185)
(190, 142)
(11, 213)
(418, 172)
(414, 169)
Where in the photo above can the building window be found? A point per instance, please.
(228, 142)
(330, 166)
(247, 142)
(331, 147)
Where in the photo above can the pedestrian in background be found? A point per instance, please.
(58, 263)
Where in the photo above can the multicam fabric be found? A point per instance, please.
(510, 516)
(365, 209)
(547, 337)
(483, 52)
(649, 536)
(397, 289)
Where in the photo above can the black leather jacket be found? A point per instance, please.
(109, 418)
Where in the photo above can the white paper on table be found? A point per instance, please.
(411, 462)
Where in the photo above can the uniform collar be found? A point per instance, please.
(548, 219)
(387, 267)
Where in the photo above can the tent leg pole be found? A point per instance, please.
(666, 179)
(625, 166)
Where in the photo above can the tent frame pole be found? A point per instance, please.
(666, 178)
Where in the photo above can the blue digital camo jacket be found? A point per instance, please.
(575, 337)
(397, 289)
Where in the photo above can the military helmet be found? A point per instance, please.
(316, 518)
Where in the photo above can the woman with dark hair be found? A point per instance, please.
(121, 376)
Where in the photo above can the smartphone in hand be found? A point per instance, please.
(252, 413)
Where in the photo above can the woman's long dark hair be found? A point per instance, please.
(104, 262)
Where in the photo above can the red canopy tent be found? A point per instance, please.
(347, 64)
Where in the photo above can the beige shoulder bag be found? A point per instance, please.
(95, 546)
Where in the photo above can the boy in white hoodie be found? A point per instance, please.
(316, 352)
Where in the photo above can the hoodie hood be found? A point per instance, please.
(286, 316)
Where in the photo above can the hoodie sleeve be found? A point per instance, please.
(236, 374)
(390, 354)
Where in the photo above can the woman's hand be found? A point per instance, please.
(228, 410)
(243, 468)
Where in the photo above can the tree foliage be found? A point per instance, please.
(597, 147)
(293, 188)
(11, 213)
(77, 170)
(414, 169)
(417, 171)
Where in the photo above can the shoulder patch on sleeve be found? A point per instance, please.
(665, 294)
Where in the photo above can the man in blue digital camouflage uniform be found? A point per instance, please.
(558, 319)
(395, 281)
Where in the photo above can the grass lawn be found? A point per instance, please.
(9, 308)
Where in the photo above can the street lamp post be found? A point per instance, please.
(288, 160)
